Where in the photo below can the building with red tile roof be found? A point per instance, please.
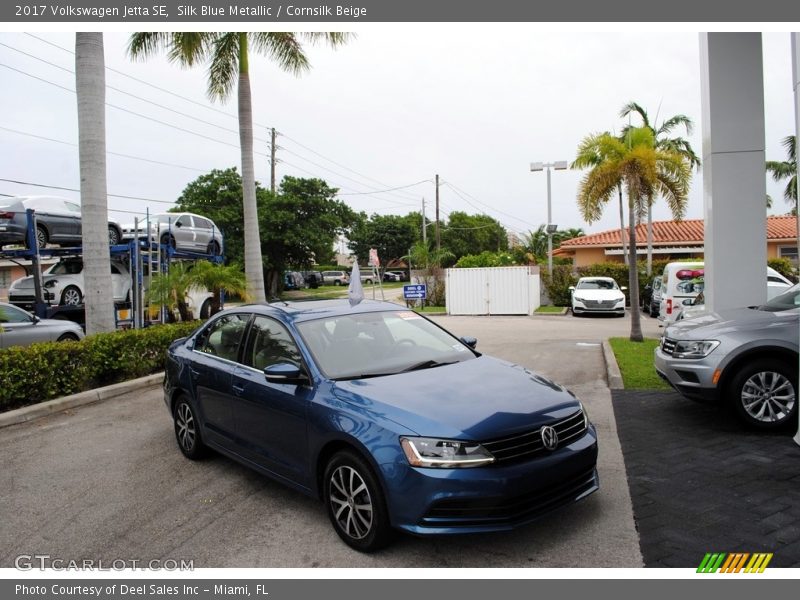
(673, 240)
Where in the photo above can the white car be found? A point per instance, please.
(597, 295)
(63, 284)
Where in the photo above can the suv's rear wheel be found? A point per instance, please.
(764, 394)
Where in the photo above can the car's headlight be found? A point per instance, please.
(51, 283)
(578, 299)
(445, 454)
(621, 300)
(694, 349)
(585, 415)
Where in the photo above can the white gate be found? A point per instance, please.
(492, 291)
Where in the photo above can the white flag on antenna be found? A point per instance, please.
(355, 292)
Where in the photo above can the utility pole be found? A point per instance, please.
(424, 225)
(272, 151)
(438, 237)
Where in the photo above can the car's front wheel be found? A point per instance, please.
(355, 503)
(187, 430)
(764, 394)
(71, 296)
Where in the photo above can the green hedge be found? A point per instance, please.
(49, 370)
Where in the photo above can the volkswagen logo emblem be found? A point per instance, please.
(549, 437)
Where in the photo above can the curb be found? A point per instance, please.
(564, 311)
(612, 368)
(42, 409)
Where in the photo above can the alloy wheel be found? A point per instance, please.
(185, 427)
(768, 397)
(351, 502)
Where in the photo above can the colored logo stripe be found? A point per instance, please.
(734, 563)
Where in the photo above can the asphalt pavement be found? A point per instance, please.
(106, 481)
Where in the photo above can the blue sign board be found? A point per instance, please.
(415, 292)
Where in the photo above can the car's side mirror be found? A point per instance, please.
(572, 288)
(688, 302)
(470, 341)
(648, 287)
(285, 373)
(35, 319)
(623, 288)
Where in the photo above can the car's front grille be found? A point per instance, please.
(526, 445)
(599, 303)
(667, 346)
(494, 511)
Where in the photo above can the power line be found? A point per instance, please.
(147, 83)
(141, 99)
(402, 187)
(67, 189)
(131, 156)
(459, 193)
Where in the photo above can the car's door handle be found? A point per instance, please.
(238, 388)
(194, 371)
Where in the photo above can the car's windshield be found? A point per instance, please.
(786, 301)
(379, 343)
(66, 267)
(597, 284)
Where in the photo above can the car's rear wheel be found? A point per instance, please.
(41, 237)
(764, 393)
(114, 236)
(355, 503)
(71, 296)
(187, 430)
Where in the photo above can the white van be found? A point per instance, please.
(683, 281)
(680, 281)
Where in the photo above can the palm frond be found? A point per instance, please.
(284, 48)
(223, 71)
(633, 107)
(668, 125)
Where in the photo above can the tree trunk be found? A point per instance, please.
(90, 86)
(253, 264)
(633, 277)
(649, 237)
(622, 227)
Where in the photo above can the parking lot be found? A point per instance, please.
(678, 479)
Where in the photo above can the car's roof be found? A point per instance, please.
(596, 278)
(316, 309)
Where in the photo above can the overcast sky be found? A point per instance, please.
(398, 104)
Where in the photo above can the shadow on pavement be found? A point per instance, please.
(701, 482)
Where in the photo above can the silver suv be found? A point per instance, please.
(183, 231)
(747, 357)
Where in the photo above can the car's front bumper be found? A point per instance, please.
(693, 378)
(494, 498)
(587, 307)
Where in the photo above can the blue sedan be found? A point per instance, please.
(390, 420)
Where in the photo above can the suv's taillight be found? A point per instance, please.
(669, 306)
(6, 215)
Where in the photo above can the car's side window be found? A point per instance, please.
(270, 343)
(11, 314)
(184, 221)
(223, 337)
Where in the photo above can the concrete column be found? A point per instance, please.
(734, 180)
(796, 87)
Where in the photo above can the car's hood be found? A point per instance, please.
(26, 283)
(709, 324)
(599, 294)
(478, 399)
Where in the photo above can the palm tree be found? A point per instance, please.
(90, 86)
(787, 169)
(229, 56)
(216, 278)
(169, 290)
(643, 170)
(664, 141)
(588, 157)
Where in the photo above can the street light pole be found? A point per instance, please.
(559, 165)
